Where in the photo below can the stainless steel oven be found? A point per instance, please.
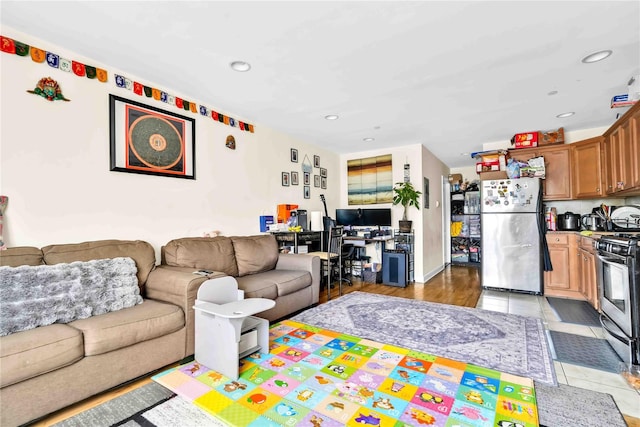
(618, 284)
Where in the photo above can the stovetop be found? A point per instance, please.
(619, 244)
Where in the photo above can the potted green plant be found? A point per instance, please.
(406, 195)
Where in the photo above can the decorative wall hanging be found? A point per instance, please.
(231, 142)
(306, 178)
(294, 155)
(162, 95)
(316, 161)
(323, 182)
(307, 167)
(49, 89)
(426, 192)
(151, 141)
(307, 192)
(285, 179)
(370, 180)
(9, 45)
(323, 172)
(294, 178)
(316, 181)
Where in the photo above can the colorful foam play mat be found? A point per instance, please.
(317, 377)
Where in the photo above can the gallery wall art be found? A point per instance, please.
(370, 180)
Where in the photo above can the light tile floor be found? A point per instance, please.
(627, 399)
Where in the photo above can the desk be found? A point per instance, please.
(313, 240)
(367, 240)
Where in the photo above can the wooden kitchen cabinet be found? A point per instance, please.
(557, 161)
(587, 271)
(587, 168)
(563, 280)
(621, 150)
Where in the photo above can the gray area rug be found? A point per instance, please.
(584, 351)
(574, 311)
(504, 342)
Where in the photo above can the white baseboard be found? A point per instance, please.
(430, 274)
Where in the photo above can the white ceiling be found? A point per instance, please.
(449, 75)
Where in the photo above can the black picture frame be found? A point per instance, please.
(306, 178)
(316, 161)
(285, 179)
(150, 141)
(323, 182)
(294, 155)
(316, 181)
(323, 172)
(294, 178)
(307, 192)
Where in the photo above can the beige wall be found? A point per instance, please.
(54, 166)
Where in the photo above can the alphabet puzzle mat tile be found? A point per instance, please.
(320, 378)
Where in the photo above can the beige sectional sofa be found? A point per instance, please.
(50, 367)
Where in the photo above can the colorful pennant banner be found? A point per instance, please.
(182, 104)
(9, 45)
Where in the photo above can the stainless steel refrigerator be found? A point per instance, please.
(512, 233)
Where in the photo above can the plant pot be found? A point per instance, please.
(405, 226)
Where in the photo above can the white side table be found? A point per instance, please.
(225, 333)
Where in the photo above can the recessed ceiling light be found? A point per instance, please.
(331, 117)
(240, 66)
(597, 56)
(553, 92)
(369, 139)
(567, 114)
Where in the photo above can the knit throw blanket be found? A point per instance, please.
(32, 296)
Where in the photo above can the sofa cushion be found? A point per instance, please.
(255, 254)
(34, 352)
(129, 326)
(142, 253)
(274, 283)
(21, 255)
(203, 253)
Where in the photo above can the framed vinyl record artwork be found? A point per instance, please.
(148, 140)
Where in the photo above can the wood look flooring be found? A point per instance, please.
(457, 285)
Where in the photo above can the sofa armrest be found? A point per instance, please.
(305, 262)
(179, 286)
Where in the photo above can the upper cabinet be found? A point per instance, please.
(621, 152)
(557, 162)
(587, 168)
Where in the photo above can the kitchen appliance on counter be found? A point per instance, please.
(618, 268)
(512, 220)
(569, 221)
(592, 222)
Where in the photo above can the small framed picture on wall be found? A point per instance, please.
(285, 179)
(316, 161)
(307, 178)
(294, 155)
(307, 192)
(323, 182)
(323, 172)
(316, 181)
(294, 178)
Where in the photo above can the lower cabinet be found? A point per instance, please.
(563, 280)
(587, 272)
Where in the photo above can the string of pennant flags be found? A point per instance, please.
(11, 46)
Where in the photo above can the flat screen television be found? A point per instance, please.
(376, 217)
(364, 217)
(348, 217)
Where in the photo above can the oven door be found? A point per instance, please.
(615, 298)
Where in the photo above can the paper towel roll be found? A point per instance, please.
(316, 221)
